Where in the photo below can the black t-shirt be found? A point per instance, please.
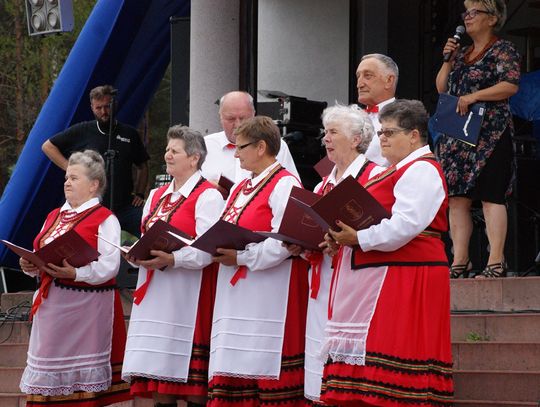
(129, 151)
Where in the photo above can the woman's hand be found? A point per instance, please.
(346, 237)
(451, 48)
(160, 260)
(28, 267)
(463, 103)
(227, 258)
(329, 246)
(66, 271)
(294, 249)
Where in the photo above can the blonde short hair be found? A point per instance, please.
(494, 7)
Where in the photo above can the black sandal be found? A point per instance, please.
(461, 270)
(495, 270)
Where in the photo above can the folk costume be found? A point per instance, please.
(78, 332)
(169, 332)
(388, 335)
(257, 347)
(320, 275)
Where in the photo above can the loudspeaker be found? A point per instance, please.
(180, 49)
(49, 16)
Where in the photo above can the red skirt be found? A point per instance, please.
(197, 383)
(119, 390)
(289, 389)
(408, 348)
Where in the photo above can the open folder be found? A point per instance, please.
(156, 238)
(70, 246)
(225, 235)
(349, 202)
(298, 227)
(465, 128)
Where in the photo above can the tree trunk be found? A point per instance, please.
(19, 105)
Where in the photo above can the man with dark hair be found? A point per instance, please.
(128, 195)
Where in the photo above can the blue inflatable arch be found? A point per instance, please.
(125, 43)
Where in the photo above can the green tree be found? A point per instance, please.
(28, 69)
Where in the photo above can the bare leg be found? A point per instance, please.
(496, 226)
(461, 227)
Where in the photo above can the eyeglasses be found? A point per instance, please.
(390, 132)
(242, 146)
(473, 13)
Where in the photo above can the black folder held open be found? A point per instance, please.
(349, 202)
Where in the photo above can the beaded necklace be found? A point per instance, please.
(466, 56)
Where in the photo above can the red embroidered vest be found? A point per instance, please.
(87, 228)
(183, 218)
(425, 249)
(257, 214)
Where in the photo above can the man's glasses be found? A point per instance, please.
(473, 13)
(390, 132)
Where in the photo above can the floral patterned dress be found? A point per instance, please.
(461, 162)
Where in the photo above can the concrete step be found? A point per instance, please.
(12, 400)
(496, 327)
(496, 356)
(11, 301)
(10, 378)
(13, 354)
(491, 403)
(15, 331)
(497, 294)
(497, 385)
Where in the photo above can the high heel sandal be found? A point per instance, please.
(495, 270)
(461, 270)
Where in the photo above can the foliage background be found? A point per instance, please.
(28, 68)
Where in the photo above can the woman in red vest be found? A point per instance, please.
(347, 134)
(388, 335)
(257, 348)
(169, 329)
(78, 332)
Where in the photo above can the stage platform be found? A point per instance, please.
(495, 342)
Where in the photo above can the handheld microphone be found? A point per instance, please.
(457, 36)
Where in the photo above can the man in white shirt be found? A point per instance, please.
(377, 77)
(234, 108)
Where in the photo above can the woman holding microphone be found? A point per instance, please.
(486, 71)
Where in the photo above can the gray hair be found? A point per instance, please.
(193, 141)
(94, 167)
(355, 120)
(389, 64)
(408, 114)
(494, 7)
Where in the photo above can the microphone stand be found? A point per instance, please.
(110, 154)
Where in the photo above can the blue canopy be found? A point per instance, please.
(526, 102)
(125, 43)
